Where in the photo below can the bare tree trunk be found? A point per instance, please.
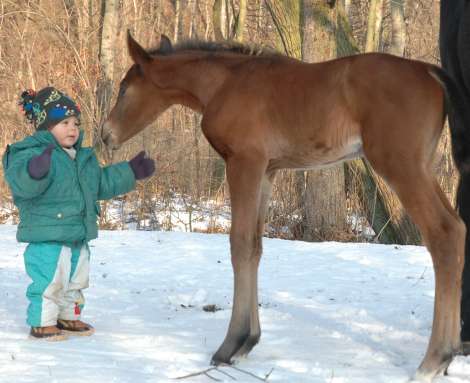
(346, 45)
(240, 25)
(320, 193)
(324, 195)
(347, 6)
(286, 17)
(23, 35)
(217, 20)
(379, 204)
(382, 208)
(177, 28)
(378, 23)
(398, 27)
(192, 27)
(390, 223)
(207, 20)
(221, 20)
(90, 25)
(109, 13)
(373, 25)
(227, 20)
(72, 18)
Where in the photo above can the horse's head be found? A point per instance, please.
(141, 99)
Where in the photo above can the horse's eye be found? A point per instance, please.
(122, 91)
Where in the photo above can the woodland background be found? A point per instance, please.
(79, 46)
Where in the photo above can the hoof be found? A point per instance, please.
(248, 345)
(466, 348)
(426, 375)
(227, 350)
(217, 361)
(421, 378)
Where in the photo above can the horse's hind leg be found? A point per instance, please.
(245, 178)
(443, 233)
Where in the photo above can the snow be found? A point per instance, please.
(330, 312)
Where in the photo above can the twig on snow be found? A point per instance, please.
(204, 372)
(217, 368)
(226, 373)
(265, 379)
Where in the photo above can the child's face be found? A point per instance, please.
(66, 132)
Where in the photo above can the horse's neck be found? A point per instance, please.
(198, 79)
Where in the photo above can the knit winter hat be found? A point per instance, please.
(47, 107)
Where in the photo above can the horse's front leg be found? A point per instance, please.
(255, 328)
(245, 178)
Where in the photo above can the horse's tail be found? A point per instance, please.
(457, 104)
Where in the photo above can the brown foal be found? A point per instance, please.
(263, 112)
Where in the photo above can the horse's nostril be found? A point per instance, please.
(109, 139)
(106, 134)
(106, 137)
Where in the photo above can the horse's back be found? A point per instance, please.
(307, 115)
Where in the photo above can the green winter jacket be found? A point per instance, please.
(63, 205)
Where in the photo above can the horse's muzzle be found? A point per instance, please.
(108, 137)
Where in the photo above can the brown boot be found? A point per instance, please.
(75, 327)
(49, 333)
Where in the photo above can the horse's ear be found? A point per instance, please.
(165, 44)
(138, 54)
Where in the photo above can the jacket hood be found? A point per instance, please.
(40, 139)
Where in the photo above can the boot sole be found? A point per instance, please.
(79, 333)
(53, 338)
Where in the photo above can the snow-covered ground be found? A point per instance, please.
(330, 312)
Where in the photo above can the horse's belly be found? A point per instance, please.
(352, 150)
(317, 157)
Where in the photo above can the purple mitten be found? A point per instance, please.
(38, 166)
(141, 166)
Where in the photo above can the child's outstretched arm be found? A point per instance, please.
(120, 178)
(142, 166)
(28, 175)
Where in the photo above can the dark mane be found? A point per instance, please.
(215, 47)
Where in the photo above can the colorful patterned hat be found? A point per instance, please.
(47, 107)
